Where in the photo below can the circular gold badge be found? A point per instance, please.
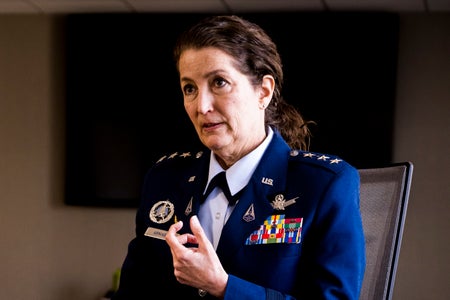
(161, 211)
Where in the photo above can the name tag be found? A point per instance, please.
(156, 233)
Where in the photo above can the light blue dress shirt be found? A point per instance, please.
(215, 211)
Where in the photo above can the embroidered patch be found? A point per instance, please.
(276, 230)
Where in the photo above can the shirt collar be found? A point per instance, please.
(239, 174)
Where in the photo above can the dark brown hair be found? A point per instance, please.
(256, 55)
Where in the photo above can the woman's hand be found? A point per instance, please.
(200, 266)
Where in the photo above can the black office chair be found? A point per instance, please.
(383, 200)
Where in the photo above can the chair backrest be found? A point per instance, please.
(383, 200)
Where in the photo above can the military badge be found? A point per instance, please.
(249, 214)
(280, 203)
(162, 211)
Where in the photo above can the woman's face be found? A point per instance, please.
(226, 110)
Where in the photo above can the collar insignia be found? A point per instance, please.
(188, 209)
(249, 214)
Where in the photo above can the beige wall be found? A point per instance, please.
(50, 251)
(422, 135)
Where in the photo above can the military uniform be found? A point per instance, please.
(296, 232)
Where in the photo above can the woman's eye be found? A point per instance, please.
(188, 89)
(219, 82)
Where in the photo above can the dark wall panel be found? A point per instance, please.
(125, 108)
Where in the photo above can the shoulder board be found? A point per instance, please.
(177, 156)
(319, 159)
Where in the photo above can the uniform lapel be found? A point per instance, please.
(255, 206)
(190, 190)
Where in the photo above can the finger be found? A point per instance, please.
(176, 240)
(171, 235)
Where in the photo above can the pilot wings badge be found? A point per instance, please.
(162, 211)
(280, 203)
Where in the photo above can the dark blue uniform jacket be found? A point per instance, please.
(296, 232)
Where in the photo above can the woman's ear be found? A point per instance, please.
(266, 92)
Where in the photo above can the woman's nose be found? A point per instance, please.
(204, 101)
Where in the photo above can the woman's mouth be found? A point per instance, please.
(211, 126)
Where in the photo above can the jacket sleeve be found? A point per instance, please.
(335, 258)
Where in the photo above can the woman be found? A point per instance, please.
(295, 230)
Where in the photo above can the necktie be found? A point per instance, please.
(220, 181)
